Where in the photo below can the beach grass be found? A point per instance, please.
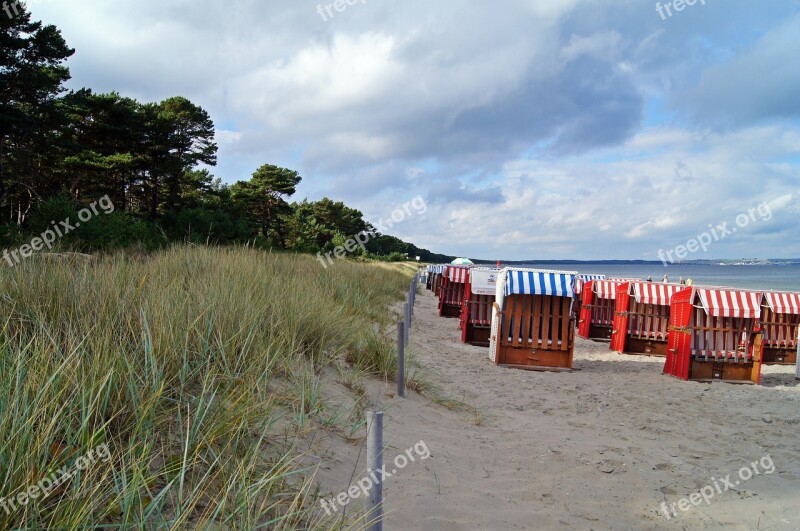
(197, 368)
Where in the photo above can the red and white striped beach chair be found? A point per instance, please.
(577, 299)
(476, 313)
(641, 323)
(780, 317)
(451, 292)
(715, 335)
(597, 311)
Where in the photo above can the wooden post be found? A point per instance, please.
(408, 321)
(401, 360)
(374, 465)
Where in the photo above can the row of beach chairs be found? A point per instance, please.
(528, 319)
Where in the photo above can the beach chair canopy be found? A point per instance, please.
(539, 282)
(607, 289)
(655, 293)
(730, 303)
(784, 303)
(583, 278)
(483, 280)
(457, 274)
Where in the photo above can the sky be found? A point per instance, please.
(531, 129)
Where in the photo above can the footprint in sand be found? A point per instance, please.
(611, 466)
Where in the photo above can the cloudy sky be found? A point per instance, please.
(533, 129)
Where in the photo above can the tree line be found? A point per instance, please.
(62, 150)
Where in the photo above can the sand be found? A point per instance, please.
(598, 448)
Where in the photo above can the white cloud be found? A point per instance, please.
(321, 80)
(628, 207)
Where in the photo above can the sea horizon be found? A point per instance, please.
(768, 277)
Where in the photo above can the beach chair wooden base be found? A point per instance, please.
(478, 335)
(645, 347)
(515, 357)
(734, 382)
(601, 332)
(779, 356)
(544, 318)
(450, 310)
(537, 369)
(709, 371)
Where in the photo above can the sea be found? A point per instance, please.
(758, 277)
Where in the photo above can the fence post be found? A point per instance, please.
(401, 360)
(407, 320)
(374, 464)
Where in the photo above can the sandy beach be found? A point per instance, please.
(602, 447)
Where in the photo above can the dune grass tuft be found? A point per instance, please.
(195, 367)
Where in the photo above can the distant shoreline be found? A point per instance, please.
(734, 262)
(782, 276)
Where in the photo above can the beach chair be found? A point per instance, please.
(641, 320)
(531, 320)
(599, 305)
(577, 302)
(451, 291)
(780, 320)
(797, 367)
(476, 312)
(715, 335)
(436, 278)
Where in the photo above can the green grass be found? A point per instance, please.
(197, 367)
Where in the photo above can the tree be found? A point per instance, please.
(339, 217)
(264, 198)
(102, 143)
(306, 233)
(191, 142)
(31, 76)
